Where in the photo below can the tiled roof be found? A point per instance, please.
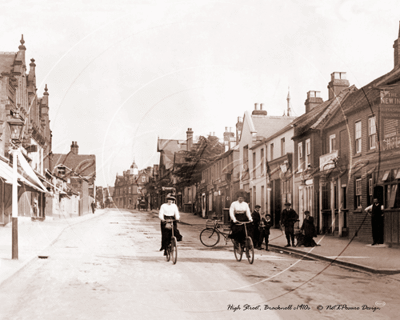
(269, 125)
(333, 107)
(303, 123)
(6, 61)
(82, 164)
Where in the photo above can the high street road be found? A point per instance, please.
(110, 267)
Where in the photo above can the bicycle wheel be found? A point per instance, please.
(209, 237)
(168, 252)
(238, 251)
(174, 250)
(249, 250)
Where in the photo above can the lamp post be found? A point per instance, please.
(16, 125)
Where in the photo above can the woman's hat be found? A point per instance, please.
(170, 197)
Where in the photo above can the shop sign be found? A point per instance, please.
(326, 161)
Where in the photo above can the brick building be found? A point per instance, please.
(18, 99)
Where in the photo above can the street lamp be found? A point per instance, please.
(16, 125)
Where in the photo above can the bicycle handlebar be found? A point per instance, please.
(243, 222)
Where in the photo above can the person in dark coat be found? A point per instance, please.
(265, 225)
(375, 210)
(93, 205)
(288, 219)
(309, 230)
(256, 223)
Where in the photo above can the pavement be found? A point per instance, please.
(345, 252)
(33, 239)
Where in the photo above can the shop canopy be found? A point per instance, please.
(31, 179)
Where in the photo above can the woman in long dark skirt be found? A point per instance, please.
(169, 211)
(309, 231)
(239, 211)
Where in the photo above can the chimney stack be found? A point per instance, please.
(260, 112)
(313, 99)
(74, 147)
(337, 84)
(189, 139)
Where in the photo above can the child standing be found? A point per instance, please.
(265, 225)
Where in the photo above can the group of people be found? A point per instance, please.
(259, 229)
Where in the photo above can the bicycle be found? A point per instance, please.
(247, 247)
(172, 249)
(211, 235)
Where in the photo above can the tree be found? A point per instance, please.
(188, 165)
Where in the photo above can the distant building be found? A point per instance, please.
(80, 172)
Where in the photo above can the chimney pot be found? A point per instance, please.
(255, 106)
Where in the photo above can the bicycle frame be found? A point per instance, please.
(248, 246)
(172, 250)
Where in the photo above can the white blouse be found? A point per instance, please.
(243, 207)
(169, 210)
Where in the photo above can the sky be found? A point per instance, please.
(122, 73)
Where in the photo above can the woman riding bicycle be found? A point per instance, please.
(168, 210)
(239, 211)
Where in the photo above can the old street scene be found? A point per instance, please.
(200, 160)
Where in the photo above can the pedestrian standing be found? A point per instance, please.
(256, 223)
(309, 230)
(288, 219)
(93, 205)
(375, 210)
(35, 208)
(265, 225)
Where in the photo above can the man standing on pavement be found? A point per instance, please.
(288, 219)
(375, 210)
(256, 223)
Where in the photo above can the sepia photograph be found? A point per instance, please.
(204, 159)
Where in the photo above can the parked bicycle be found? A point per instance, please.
(211, 235)
(247, 246)
(172, 249)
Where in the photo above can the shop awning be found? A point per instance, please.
(6, 173)
(34, 180)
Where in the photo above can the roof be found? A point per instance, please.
(167, 149)
(82, 164)
(368, 94)
(269, 125)
(7, 61)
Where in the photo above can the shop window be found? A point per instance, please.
(326, 196)
(358, 194)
